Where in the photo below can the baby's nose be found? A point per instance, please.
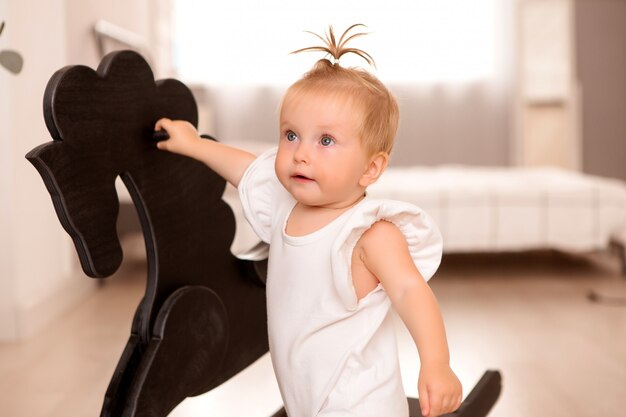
(302, 153)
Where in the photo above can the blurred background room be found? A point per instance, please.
(512, 135)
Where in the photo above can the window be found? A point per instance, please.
(248, 42)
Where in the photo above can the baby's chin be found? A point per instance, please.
(306, 200)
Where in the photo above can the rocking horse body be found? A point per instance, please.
(202, 318)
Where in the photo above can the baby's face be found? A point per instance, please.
(320, 158)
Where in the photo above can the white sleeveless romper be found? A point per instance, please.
(333, 355)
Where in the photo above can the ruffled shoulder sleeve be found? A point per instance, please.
(258, 191)
(421, 233)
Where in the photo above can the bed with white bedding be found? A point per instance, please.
(498, 209)
(513, 209)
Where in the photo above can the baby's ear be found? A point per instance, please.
(377, 164)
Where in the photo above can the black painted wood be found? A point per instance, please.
(203, 317)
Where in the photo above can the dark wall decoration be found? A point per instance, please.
(10, 60)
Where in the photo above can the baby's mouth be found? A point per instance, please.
(301, 178)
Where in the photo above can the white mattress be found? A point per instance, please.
(512, 209)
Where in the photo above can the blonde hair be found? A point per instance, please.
(379, 107)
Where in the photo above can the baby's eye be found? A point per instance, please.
(327, 141)
(291, 136)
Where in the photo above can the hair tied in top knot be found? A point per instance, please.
(338, 49)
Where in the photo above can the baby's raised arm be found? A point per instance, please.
(384, 252)
(228, 162)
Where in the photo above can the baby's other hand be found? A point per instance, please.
(182, 136)
(440, 390)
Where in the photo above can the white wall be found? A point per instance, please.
(147, 18)
(35, 261)
(81, 15)
(36, 273)
(7, 284)
(39, 273)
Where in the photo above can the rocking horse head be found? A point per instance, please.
(102, 126)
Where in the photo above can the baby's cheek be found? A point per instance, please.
(279, 165)
(281, 172)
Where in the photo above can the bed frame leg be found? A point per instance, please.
(615, 292)
(620, 249)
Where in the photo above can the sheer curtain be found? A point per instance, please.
(448, 61)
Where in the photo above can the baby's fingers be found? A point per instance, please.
(424, 401)
(439, 403)
(162, 142)
(449, 403)
(163, 123)
(456, 402)
(162, 145)
(436, 405)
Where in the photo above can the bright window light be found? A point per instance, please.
(248, 42)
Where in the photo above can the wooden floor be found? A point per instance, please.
(526, 315)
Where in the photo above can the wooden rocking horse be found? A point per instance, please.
(203, 316)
